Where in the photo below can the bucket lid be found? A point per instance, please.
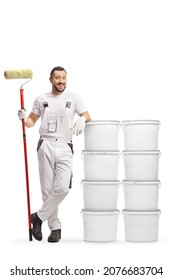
(149, 182)
(142, 212)
(98, 182)
(106, 152)
(141, 152)
(156, 122)
(103, 122)
(89, 212)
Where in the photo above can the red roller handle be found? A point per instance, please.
(26, 166)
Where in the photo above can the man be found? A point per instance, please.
(57, 109)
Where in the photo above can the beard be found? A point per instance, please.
(59, 89)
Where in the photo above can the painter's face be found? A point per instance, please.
(59, 81)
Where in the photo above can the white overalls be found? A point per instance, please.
(55, 150)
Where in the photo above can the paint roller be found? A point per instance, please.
(23, 74)
(18, 74)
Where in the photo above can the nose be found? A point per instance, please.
(61, 80)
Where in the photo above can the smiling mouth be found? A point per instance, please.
(60, 85)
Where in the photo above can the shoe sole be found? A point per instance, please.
(53, 241)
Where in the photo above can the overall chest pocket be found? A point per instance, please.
(51, 121)
(56, 122)
(52, 126)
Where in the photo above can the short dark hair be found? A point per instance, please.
(57, 68)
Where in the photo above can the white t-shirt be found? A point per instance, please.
(57, 113)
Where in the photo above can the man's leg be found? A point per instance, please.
(62, 174)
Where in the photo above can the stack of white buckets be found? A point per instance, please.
(100, 184)
(141, 184)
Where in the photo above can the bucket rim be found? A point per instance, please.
(141, 152)
(103, 122)
(138, 122)
(101, 152)
(142, 212)
(101, 182)
(138, 182)
(89, 212)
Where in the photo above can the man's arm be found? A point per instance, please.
(31, 119)
(86, 115)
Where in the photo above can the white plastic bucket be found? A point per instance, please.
(141, 134)
(100, 195)
(141, 165)
(100, 165)
(141, 226)
(101, 135)
(141, 195)
(100, 226)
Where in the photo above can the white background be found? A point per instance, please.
(119, 58)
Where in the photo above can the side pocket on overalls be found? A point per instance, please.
(71, 147)
(70, 185)
(40, 141)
